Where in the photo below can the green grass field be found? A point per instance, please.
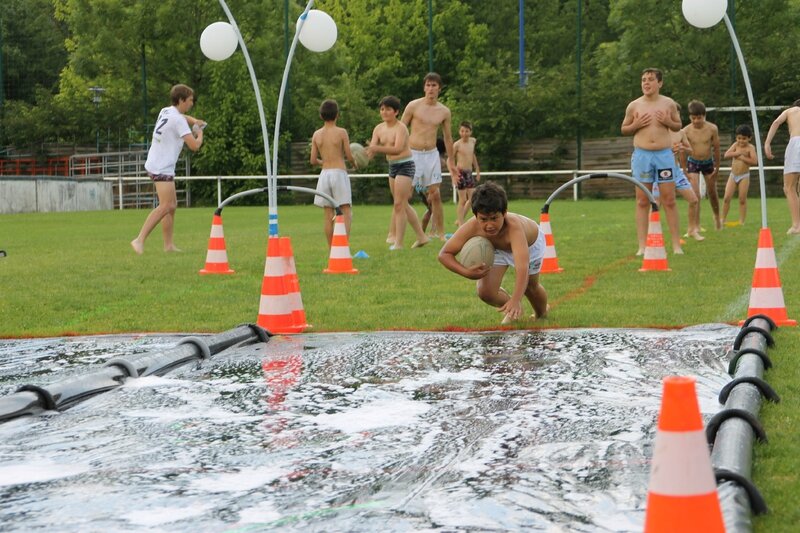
(75, 273)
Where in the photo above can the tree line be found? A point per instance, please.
(53, 51)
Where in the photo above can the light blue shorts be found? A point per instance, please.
(649, 166)
(535, 255)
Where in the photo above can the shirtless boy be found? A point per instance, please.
(390, 137)
(517, 242)
(791, 160)
(743, 155)
(329, 146)
(650, 118)
(466, 164)
(704, 137)
(424, 116)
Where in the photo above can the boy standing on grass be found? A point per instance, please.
(743, 155)
(791, 160)
(650, 119)
(329, 146)
(517, 242)
(704, 137)
(466, 162)
(390, 137)
(173, 129)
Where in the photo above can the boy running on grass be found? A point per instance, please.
(466, 163)
(517, 242)
(705, 160)
(743, 155)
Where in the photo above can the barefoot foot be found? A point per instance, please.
(137, 246)
(420, 244)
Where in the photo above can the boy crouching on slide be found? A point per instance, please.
(517, 242)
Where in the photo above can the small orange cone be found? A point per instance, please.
(340, 261)
(655, 255)
(550, 262)
(274, 311)
(682, 493)
(292, 283)
(217, 256)
(766, 295)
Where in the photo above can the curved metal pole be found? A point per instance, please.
(573, 181)
(756, 132)
(261, 116)
(272, 181)
(251, 192)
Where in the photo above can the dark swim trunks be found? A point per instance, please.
(695, 166)
(402, 168)
(161, 177)
(465, 180)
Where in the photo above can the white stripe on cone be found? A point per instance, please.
(340, 252)
(765, 258)
(274, 305)
(765, 298)
(217, 256)
(274, 267)
(684, 465)
(216, 230)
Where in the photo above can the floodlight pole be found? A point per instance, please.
(751, 101)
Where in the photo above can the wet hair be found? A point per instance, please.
(434, 77)
(390, 101)
(696, 107)
(466, 124)
(744, 129)
(652, 70)
(488, 198)
(180, 92)
(329, 110)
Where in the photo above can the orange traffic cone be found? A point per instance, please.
(217, 256)
(682, 494)
(274, 311)
(293, 287)
(550, 262)
(766, 295)
(340, 261)
(655, 255)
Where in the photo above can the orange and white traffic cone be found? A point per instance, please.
(217, 256)
(766, 295)
(340, 260)
(682, 493)
(292, 283)
(655, 255)
(274, 309)
(550, 262)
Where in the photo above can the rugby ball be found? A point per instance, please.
(475, 251)
(359, 154)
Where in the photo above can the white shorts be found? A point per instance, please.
(335, 183)
(791, 159)
(428, 168)
(535, 255)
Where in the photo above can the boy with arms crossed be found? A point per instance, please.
(329, 146)
(744, 156)
(650, 118)
(517, 242)
(466, 162)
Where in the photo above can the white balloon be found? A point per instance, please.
(218, 41)
(319, 31)
(704, 13)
